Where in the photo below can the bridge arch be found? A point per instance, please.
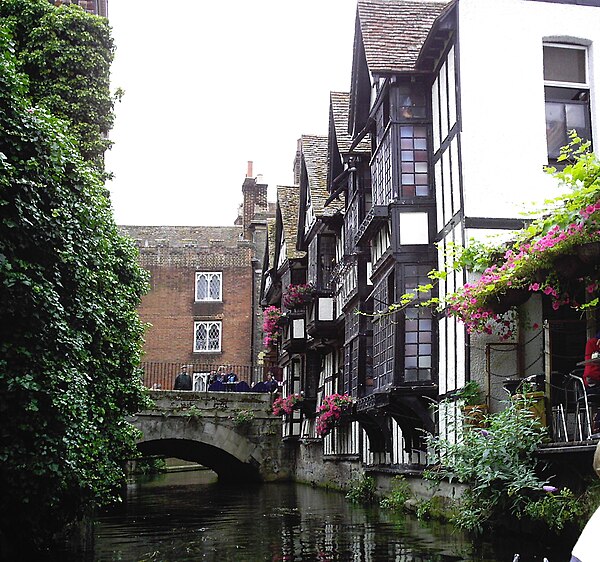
(228, 467)
(201, 427)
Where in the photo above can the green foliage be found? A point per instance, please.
(242, 417)
(437, 508)
(498, 464)
(66, 53)
(149, 465)
(362, 490)
(477, 256)
(556, 509)
(398, 495)
(70, 336)
(470, 394)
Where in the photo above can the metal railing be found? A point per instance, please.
(161, 374)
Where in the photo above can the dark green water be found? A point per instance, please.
(189, 517)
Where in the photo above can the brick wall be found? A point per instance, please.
(171, 310)
(173, 255)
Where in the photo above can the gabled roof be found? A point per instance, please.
(393, 31)
(314, 156)
(340, 107)
(288, 201)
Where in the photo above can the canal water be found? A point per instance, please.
(187, 516)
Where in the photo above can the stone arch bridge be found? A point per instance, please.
(205, 427)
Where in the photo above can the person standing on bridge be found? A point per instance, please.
(183, 381)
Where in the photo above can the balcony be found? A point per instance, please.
(377, 216)
(321, 317)
(293, 339)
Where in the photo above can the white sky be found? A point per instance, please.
(211, 85)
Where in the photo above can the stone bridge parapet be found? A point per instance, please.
(233, 433)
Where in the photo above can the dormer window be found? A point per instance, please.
(567, 94)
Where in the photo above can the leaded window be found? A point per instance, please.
(418, 329)
(383, 332)
(414, 177)
(566, 89)
(207, 336)
(209, 285)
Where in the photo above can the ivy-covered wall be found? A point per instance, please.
(70, 336)
(66, 54)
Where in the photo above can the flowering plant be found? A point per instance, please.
(286, 405)
(271, 327)
(297, 295)
(538, 259)
(331, 410)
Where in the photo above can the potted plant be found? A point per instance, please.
(331, 411)
(297, 295)
(271, 325)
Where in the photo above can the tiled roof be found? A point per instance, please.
(314, 153)
(394, 31)
(183, 236)
(288, 199)
(340, 107)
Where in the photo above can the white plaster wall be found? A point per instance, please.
(502, 98)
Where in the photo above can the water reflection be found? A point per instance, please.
(188, 516)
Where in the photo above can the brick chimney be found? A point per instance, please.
(298, 162)
(249, 204)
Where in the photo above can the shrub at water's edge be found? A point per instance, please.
(502, 472)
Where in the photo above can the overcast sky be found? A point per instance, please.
(211, 85)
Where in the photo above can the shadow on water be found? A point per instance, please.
(189, 516)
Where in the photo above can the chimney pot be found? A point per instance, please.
(249, 172)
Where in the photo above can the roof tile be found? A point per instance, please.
(394, 31)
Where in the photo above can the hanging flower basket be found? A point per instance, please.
(287, 405)
(589, 253)
(271, 325)
(569, 266)
(296, 296)
(499, 304)
(331, 411)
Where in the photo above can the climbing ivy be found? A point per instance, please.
(66, 54)
(70, 337)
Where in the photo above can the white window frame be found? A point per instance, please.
(208, 274)
(209, 324)
(585, 85)
(559, 84)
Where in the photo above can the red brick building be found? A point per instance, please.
(204, 281)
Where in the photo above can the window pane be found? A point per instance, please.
(575, 117)
(201, 287)
(556, 128)
(564, 65)
(201, 337)
(215, 287)
(214, 337)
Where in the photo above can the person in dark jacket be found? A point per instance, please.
(183, 381)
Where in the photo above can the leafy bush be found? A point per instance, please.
(556, 508)
(242, 417)
(398, 495)
(362, 490)
(149, 465)
(70, 336)
(500, 467)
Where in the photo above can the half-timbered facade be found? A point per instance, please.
(418, 159)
